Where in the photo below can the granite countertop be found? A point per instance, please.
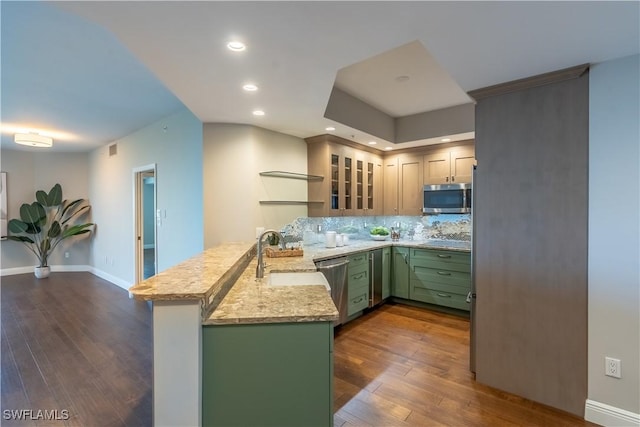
(223, 279)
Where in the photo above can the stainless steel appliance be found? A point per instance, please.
(375, 275)
(447, 198)
(335, 271)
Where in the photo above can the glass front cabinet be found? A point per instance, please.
(354, 184)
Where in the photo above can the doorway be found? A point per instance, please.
(146, 243)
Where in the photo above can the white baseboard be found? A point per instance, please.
(609, 416)
(113, 279)
(54, 268)
(70, 268)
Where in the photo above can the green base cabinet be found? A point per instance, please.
(440, 277)
(278, 374)
(358, 283)
(386, 272)
(400, 272)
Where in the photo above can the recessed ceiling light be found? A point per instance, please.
(372, 143)
(402, 79)
(445, 139)
(258, 113)
(250, 87)
(236, 46)
(330, 128)
(388, 148)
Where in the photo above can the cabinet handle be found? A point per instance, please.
(358, 300)
(446, 179)
(359, 276)
(444, 273)
(444, 256)
(453, 178)
(444, 295)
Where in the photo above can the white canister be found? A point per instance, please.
(345, 239)
(339, 241)
(330, 239)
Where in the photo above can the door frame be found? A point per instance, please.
(138, 219)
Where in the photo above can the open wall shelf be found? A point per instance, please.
(292, 175)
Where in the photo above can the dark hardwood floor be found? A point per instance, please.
(408, 366)
(75, 342)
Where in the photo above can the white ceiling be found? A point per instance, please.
(91, 72)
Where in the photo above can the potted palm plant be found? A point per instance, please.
(45, 223)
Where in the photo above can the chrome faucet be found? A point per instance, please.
(260, 267)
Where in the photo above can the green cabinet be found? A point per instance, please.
(440, 277)
(386, 272)
(278, 374)
(400, 272)
(358, 283)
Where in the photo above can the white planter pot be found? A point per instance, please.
(42, 272)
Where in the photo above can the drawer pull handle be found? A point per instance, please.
(444, 273)
(358, 300)
(359, 276)
(444, 295)
(444, 256)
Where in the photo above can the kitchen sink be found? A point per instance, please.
(298, 279)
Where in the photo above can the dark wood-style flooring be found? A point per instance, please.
(406, 366)
(76, 342)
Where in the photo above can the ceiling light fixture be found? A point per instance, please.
(258, 113)
(388, 148)
(330, 128)
(372, 143)
(236, 46)
(33, 140)
(250, 87)
(445, 139)
(402, 79)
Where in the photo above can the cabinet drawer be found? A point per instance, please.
(358, 302)
(444, 287)
(444, 260)
(442, 298)
(358, 277)
(358, 260)
(451, 277)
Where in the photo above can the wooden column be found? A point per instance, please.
(531, 239)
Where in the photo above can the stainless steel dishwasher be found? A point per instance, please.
(335, 271)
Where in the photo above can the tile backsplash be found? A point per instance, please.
(444, 227)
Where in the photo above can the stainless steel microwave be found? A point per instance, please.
(447, 198)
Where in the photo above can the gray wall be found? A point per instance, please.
(234, 156)
(614, 230)
(174, 144)
(531, 242)
(29, 171)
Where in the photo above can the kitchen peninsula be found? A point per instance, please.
(225, 341)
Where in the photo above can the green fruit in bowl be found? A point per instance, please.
(379, 231)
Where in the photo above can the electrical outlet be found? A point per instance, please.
(66, 254)
(612, 367)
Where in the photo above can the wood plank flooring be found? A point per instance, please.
(407, 366)
(76, 342)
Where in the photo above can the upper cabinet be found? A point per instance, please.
(451, 165)
(354, 186)
(360, 182)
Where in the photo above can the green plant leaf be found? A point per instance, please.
(68, 206)
(17, 226)
(32, 213)
(55, 196)
(76, 213)
(55, 230)
(75, 230)
(45, 245)
(20, 239)
(41, 197)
